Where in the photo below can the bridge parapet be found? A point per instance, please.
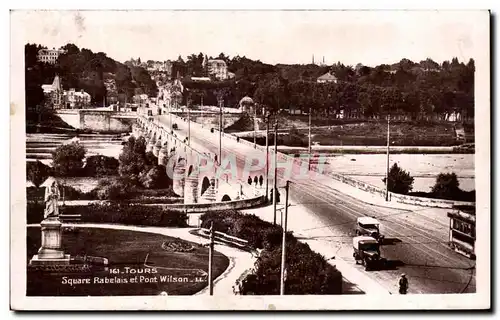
(195, 175)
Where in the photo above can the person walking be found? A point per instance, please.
(403, 284)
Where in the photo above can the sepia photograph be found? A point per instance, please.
(220, 160)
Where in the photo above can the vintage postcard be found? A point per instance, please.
(250, 160)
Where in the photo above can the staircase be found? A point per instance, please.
(210, 195)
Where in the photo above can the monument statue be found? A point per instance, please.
(50, 252)
(51, 198)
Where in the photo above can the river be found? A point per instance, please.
(371, 168)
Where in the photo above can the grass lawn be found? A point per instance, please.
(175, 273)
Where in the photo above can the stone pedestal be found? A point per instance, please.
(50, 252)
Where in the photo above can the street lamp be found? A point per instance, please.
(267, 154)
(388, 147)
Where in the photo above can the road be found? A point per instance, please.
(422, 252)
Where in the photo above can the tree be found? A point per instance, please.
(155, 178)
(400, 181)
(37, 172)
(100, 165)
(133, 159)
(446, 186)
(67, 159)
(119, 189)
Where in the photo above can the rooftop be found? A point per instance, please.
(327, 76)
(367, 220)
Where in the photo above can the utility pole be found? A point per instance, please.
(275, 187)
(254, 127)
(267, 157)
(220, 131)
(189, 125)
(283, 246)
(171, 115)
(309, 150)
(387, 172)
(210, 259)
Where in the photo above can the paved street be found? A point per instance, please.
(422, 254)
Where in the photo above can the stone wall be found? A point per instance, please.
(96, 120)
(216, 206)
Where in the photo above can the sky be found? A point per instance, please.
(350, 37)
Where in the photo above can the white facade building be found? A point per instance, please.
(49, 55)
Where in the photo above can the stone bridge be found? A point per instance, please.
(196, 175)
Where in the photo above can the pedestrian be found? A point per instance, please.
(403, 284)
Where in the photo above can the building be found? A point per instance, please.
(76, 99)
(327, 77)
(217, 68)
(49, 55)
(54, 93)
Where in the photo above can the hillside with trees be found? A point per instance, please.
(424, 90)
(84, 69)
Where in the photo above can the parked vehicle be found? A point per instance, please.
(367, 226)
(366, 251)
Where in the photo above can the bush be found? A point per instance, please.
(155, 178)
(117, 189)
(307, 271)
(37, 172)
(116, 213)
(67, 159)
(142, 168)
(446, 186)
(98, 166)
(400, 181)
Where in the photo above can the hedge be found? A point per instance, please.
(307, 271)
(115, 213)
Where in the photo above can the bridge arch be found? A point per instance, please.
(225, 198)
(205, 184)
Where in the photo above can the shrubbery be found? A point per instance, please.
(400, 181)
(447, 187)
(115, 189)
(116, 213)
(68, 192)
(99, 165)
(307, 271)
(140, 167)
(37, 172)
(67, 159)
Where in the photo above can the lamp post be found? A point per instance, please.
(388, 147)
(267, 156)
(275, 187)
(254, 127)
(220, 130)
(309, 150)
(283, 248)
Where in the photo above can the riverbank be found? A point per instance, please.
(333, 150)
